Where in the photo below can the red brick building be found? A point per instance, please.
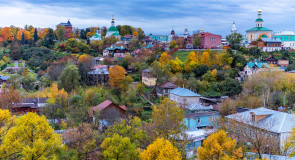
(68, 28)
(209, 40)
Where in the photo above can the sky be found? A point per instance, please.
(153, 16)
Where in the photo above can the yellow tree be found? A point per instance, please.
(57, 96)
(27, 34)
(135, 33)
(160, 149)
(205, 58)
(219, 146)
(6, 122)
(176, 65)
(214, 73)
(31, 138)
(190, 62)
(116, 75)
(164, 59)
(85, 58)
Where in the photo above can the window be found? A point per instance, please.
(253, 117)
(199, 120)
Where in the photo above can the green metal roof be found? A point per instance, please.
(96, 36)
(113, 28)
(258, 29)
(264, 36)
(259, 20)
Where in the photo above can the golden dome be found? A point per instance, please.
(202, 30)
(259, 11)
(112, 18)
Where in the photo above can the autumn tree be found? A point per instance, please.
(219, 146)
(131, 128)
(168, 123)
(172, 44)
(31, 138)
(6, 122)
(164, 59)
(7, 35)
(176, 65)
(9, 98)
(116, 75)
(118, 147)
(81, 139)
(191, 61)
(60, 31)
(125, 82)
(205, 58)
(161, 74)
(160, 149)
(69, 78)
(27, 35)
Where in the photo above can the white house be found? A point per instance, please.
(183, 97)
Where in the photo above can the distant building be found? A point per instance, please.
(30, 105)
(277, 125)
(68, 28)
(287, 38)
(234, 28)
(160, 38)
(107, 113)
(129, 37)
(115, 51)
(164, 88)
(254, 67)
(272, 60)
(183, 96)
(113, 31)
(254, 33)
(99, 74)
(3, 79)
(15, 68)
(148, 79)
(209, 40)
(96, 36)
(283, 63)
(267, 44)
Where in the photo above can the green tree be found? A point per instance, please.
(234, 40)
(23, 41)
(15, 50)
(60, 31)
(119, 148)
(197, 42)
(69, 78)
(78, 111)
(36, 38)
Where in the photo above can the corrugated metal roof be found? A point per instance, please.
(274, 121)
(277, 40)
(184, 92)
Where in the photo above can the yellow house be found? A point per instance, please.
(148, 79)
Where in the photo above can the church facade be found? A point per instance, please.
(259, 31)
(113, 31)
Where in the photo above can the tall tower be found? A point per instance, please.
(185, 34)
(113, 20)
(234, 28)
(259, 20)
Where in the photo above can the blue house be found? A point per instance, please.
(161, 38)
(198, 118)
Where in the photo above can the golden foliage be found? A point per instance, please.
(27, 34)
(160, 149)
(116, 75)
(219, 146)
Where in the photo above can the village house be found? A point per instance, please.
(30, 105)
(68, 28)
(129, 37)
(277, 125)
(107, 113)
(254, 67)
(115, 51)
(148, 79)
(209, 40)
(99, 74)
(267, 44)
(198, 119)
(164, 88)
(183, 96)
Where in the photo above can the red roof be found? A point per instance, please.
(168, 85)
(104, 105)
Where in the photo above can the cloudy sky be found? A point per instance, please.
(154, 16)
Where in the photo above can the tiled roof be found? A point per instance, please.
(274, 121)
(168, 85)
(198, 107)
(105, 104)
(184, 92)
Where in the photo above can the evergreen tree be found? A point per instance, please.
(15, 51)
(49, 39)
(83, 34)
(23, 41)
(36, 38)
